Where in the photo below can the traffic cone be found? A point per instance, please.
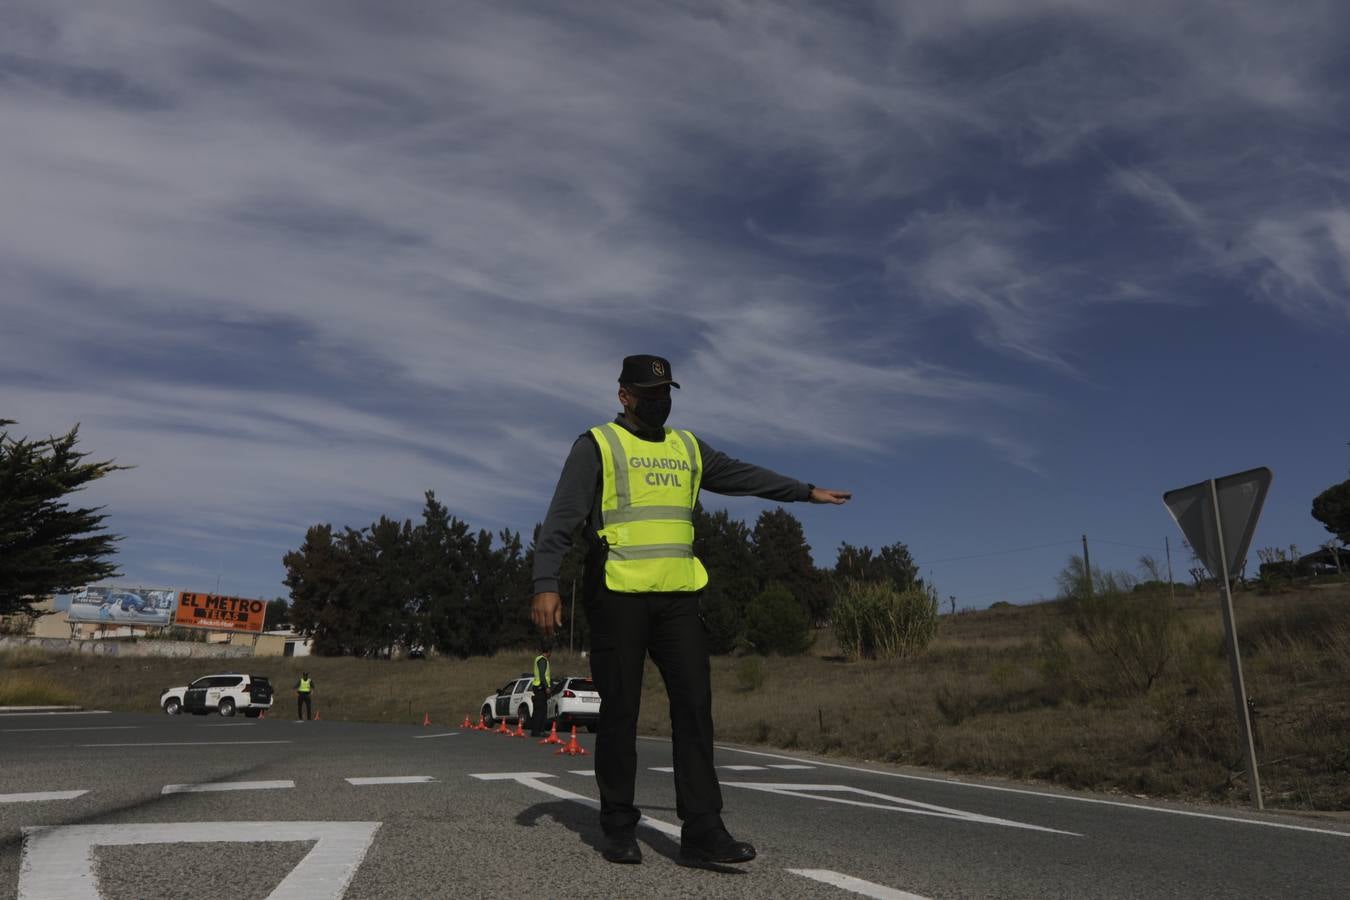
(572, 749)
(520, 728)
(481, 726)
(503, 728)
(552, 735)
(467, 724)
(426, 719)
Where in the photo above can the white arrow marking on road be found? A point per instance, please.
(535, 780)
(894, 804)
(856, 885)
(213, 786)
(58, 860)
(40, 795)
(391, 779)
(587, 772)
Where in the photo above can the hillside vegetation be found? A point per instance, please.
(1012, 691)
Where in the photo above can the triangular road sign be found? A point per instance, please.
(1240, 498)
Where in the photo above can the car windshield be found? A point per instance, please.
(201, 682)
(581, 684)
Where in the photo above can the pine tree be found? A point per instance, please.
(46, 547)
(784, 558)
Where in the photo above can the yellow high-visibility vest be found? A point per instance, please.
(647, 510)
(546, 675)
(304, 687)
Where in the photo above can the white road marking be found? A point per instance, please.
(83, 712)
(391, 779)
(77, 728)
(1138, 807)
(418, 737)
(213, 786)
(535, 780)
(589, 773)
(58, 860)
(186, 744)
(856, 885)
(894, 804)
(228, 725)
(782, 766)
(662, 769)
(36, 796)
(743, 768)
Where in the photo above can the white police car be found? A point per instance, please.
(225, 694)
(511, 702)
(575, 702)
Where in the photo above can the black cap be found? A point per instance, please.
(646, 371)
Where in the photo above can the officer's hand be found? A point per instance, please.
(546, 612)
(825, 495)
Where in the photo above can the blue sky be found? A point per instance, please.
(1008, 269)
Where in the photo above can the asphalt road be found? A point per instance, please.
(192, 808)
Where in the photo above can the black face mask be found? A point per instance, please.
(651, 412)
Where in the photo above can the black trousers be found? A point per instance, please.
(538, 710)
(303, 701)
(625, 628)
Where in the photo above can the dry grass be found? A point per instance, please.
(984, 698)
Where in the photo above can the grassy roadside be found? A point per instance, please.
(984, 698)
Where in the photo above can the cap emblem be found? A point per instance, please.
(658, 369)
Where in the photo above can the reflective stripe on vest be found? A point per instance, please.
(535, 682)
(647, 510)
(304, 686)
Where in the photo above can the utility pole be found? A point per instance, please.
(1167, 545)
(1087, 568)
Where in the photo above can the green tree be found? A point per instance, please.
(1332, 509)
(277, 615)
(776, 623)
(724, 545)
(892, 565)
(783, 557)
(46, 546)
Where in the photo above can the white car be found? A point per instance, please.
(511, 702)
(575, 702)
(225, 694)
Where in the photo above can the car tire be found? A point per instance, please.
(173, 706)
(253, 713)
(523, 714)
(488, 718)
(226, 708)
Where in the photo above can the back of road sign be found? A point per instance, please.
(1240, 498)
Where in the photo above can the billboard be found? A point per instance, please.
(122, 606)
(219, 613)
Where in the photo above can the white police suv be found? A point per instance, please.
(224, 694)
(575, 702)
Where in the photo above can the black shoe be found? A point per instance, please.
(715, 846)
(622, 848)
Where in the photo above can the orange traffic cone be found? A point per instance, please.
(481, 726)
(426, 719)
(503, 728)
(552, 735)
(467, 723)
(520, 728)
(572, 749)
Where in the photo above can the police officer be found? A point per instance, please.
(540, 687)
(304, 694)
(634, 482)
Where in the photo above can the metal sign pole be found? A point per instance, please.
(1234, 662)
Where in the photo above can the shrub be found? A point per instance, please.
(776, 623)
(750, 673)
(1137, 633)
(874, 620)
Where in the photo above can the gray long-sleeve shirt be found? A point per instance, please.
(577, 496)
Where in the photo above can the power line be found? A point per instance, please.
(929, 562)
